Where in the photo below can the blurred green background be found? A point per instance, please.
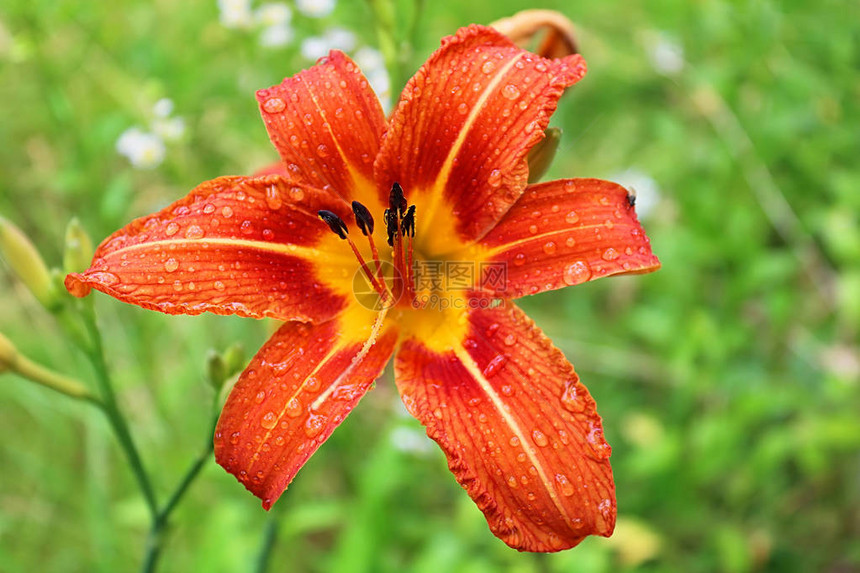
(729, 381)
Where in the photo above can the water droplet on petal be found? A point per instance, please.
(273, 198)
(462, 108)
(171, 229)
(293, 408)
(227, 211)
(493, 366)
(520, 260)
(105, 278)
(540, 438)
(570, 398)
(576, 273)
(194, 232)
(507, 390)
(269, 421)
(564, 485)
(495, 178)
(510, 339)
(610, 254)
(571, 217)
(171, 265)
(533, 229)
(314, 425)
(274, 105)
(261, 395)
(511, 92)
(218, 285)
(296, 194)
(488, 67)
(549, 247)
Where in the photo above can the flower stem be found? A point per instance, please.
(108, 403)
(37, 373)
(383, 14)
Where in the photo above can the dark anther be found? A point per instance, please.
(407, 225)
(363, 218)
(391, 225)
(396, 199)
(334, 223)
(631, 197)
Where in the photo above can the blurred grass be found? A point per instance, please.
(728, 381)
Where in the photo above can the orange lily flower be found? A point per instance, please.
(447, 176)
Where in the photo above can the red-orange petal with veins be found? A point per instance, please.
(520, 431)
(459, 138)
(234, 245)
(326, 123)
(562, 233)
(277, 168)
(296, 391)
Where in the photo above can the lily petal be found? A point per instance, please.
(464, 125)
(234, 245)
(520, 432)
(563, 233)
(326, 123)
(298, 388)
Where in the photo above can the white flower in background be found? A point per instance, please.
(163, 107)
(235, 13)
(316, 47)
(643, 185)
(143, 149)
(276, 36)
(315, 8)
(372, 64)
(666, 55)
(169, 128)
(273, 14)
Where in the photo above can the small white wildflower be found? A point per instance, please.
(273, 14)
(143, 149)
(410, 440)
(666, 55)
(170, 128)
(163, 107)
(276, 36)
(643, 185)
(369, 60)
(340, 39)
(235, 13)
(314, 48)
(315, 8)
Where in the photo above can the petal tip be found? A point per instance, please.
(76, 286)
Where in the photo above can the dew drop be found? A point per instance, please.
(570, 398)
(218, 285)
(493, 366)
(514, 442)
(296, 194)
(549, 247)
(495, 178)
(268, 234)
(533, 229)
(105, 278)
(273, 198)
(520, 260)
(570, 242)
(510, 339)
(194, 232)
(274, 105)
(314, 425)
(512, 482)
(209, 208)
(488, 67)
(261, 395)
(171, 265)
(293, 408)
(227, 211)
(610, 254)
(576, 273)
(322, 151)
(511, 92)
(269, 421)
(540, 438)
(507, 390)
(246, 227)
(564, 485)
(571, 217)
(171, 229)
(462, 108)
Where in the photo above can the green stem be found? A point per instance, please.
(155, 539)
(383, 14)
(50, 379)
(95, 351)
(270, 535)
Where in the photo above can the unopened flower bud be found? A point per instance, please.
(78, 250)
(541, 155)
(26, 262)
(216, 370)
(234, 359)
(524, 28)
(7, 353)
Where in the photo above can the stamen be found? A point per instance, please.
(631, 196)
(396, 199)
(407, 225)
(334, 223)
(391, 225)
(363, 218)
